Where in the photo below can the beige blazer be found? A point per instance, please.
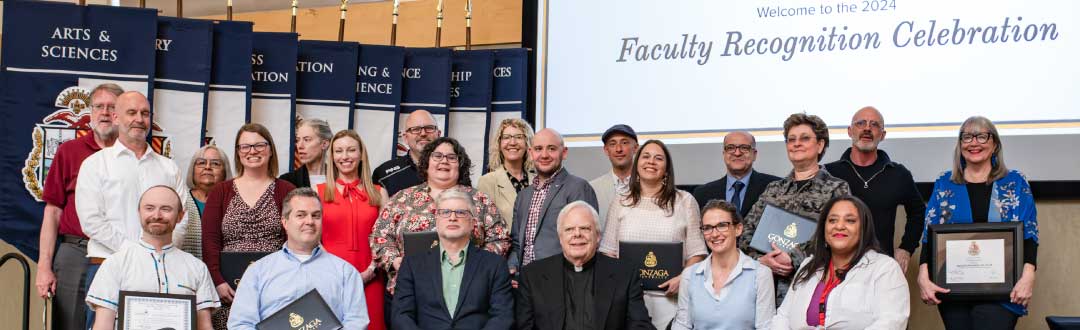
(497, 186)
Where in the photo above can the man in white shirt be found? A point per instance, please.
(111, 181)
(620, 145)
(152, 264)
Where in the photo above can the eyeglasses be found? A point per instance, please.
(719, 227)
(429, 129)
(257, 147)
(459, 214)
(863, 123)
(213, 163)
(980, 137)
(803, 139)
(100, 107)
(438, 157)
(508, 137)
(745, 148)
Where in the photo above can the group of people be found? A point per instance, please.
(530, 246)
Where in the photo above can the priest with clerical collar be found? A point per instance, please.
(597, 291)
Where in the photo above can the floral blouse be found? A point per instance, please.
(413, 210)
(1010, 200)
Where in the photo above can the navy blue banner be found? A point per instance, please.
(184, 52)
(510, 87)
(324, 69)
(54, 54)
(273, 94)
(378, 95)
(426, 86)
(470, 100)
(229, 100)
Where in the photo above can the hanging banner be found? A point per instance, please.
(510, 87)
(54, 55)
(426, 86)
(324, 72)
(470, 100)
(180, 86)
(378, 94)
(273, 90)
(229, 100)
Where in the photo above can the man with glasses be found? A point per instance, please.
(61, 268)
(400, 173)
(620, 145)
(742, 185)
(433, 290)
(881, 183)
(111, 181)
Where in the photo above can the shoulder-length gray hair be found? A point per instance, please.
(998, 169)
(199, 154)
(495, 157)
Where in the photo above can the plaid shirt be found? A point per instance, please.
(533, 223)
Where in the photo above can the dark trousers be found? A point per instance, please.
(91, 271)
(388, 300)
(69, 300)
(959, 315)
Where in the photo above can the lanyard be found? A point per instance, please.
(830, 283)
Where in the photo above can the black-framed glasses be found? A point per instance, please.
(507, 137)
(863, 123)
(257, 147)
(212, 163)
(980, 137)
(438, 157)
(429, 129)
(745, 148)
(459, 213)
(719, 227)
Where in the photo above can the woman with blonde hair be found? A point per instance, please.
(350, 207)
(509, 165)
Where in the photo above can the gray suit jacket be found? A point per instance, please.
(565, 189)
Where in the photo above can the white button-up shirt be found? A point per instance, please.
(107, 195)
(873, 295)
(137, 266)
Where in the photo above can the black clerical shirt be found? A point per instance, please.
(578, 292)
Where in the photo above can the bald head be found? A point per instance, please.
(867, 129)
(159, 211)
(740, 136)
(420, 129)
(548, 151)
(132, 118)
(740, 151)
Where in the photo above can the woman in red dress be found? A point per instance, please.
(350, 206)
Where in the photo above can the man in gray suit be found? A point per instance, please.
(534, 232)
(620, 146)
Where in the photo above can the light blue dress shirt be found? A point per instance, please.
(729, 191)
(280, 278)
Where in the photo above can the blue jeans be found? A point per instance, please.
(91, 270)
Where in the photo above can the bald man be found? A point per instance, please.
(111, 181)
(153, 264)
(882, 183)
(742, 185)
(400, 173)
(534, 234)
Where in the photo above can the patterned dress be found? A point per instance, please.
(249, 229)
(805, 199)
(413, 210)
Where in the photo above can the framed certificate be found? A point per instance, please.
(156, 311)
(976, 260)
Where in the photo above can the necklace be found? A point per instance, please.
(865, 182)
